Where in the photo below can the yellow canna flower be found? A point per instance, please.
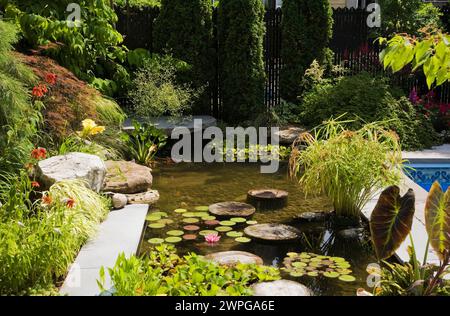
(90, 128)
(97, 130)
(88, 124)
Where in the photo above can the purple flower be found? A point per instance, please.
(413, 96)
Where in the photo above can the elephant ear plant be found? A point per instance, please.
(390, 225)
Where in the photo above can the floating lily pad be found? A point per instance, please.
(331, 274)
(251, 222)
(175, 232)
(227, 223)
(162, 214)
(202, 208)
(156, 241)
(243, 239)
(344, 271)
(201, 214)
(338, 259)
(188, 214)
(190, 220)
(212, 223)
(299, 264)
(180, 210)
(235, 234)
(296, 274)
(208, 232)
(191, 227)
(153, 218)
(189, 237)
(165, 221)
(313, 273)
(238, 219)
(347, 278)
(208, 218)
(173, 240)
(156, 225)
(223, 228)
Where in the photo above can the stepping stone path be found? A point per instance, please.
(127, 177)
(234, 257)
(281, 288)
(232, 209)
(267, 198)
(89, 168)
(272, 232)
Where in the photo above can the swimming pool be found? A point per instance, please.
(425, 174)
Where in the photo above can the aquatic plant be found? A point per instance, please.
(347, 166)
(212, 238)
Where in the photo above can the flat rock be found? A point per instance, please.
(127, 177)
(287, 135)
(234, 257)
(232, 209)
(272, 232)
(267, 198)
(149, 197)
(89, 168)
(351, 232)
(313, 216)
(281, 288)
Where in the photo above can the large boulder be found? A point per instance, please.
(281, 288)
(89, 168)
(127, 177)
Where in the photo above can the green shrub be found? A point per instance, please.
(163, 272)
(306, 32)
(184, 29)
(369, 99)
(407, 16)
(156, 91)
(241, 70)
(347, 166)
(138, 3)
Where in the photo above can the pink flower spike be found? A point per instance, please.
(212, 238)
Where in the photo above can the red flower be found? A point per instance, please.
(47, 200)
(37, 92)
(39, 153)
(43, 88)
(35, 184)
(50, 78)
(70, 203)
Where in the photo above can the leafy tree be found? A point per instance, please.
(241, 70)
(184, 30)
(307, 30)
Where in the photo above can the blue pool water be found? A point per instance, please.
(425, 174)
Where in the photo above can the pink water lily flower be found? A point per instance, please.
(212, 238)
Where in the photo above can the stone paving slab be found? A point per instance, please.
(435, 154)
(120, 232)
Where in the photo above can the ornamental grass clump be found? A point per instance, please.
(347, 166)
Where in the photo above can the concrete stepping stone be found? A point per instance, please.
(234, 257)
(272, 232)
(281, 288)
(267, 198)
(232, 209)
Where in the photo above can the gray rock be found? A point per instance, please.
(351, 233)
(312, 216)
(233, 257)
(281, 288)
(272, 232)
(119, 200)
(149, 197)
(89, 168)
(287, 135)
(127, 177)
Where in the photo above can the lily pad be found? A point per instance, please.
(175, 232)
(347, 278)
(156, 225)
(180, 210)
(191, 227)
(173, 240)
(155, 241)
(223, 228)
(331, 274)
(227, 223)
(208, 218)
(296, 274)
(165, 221)
(153, 218)
(212, 222)
(201, 214)
(234, 234)
(189, 237)
(313, 273)
(251, 222)
(238, 219)
(243, 240)
(299, 264)
(202, 208)
(208, 232)
(188, 214)
(190, 220)
(162, 214)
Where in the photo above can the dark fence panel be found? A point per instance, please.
(353, 44)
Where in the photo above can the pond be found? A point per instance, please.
(189, 185)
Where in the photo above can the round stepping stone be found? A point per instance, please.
(233, 257)
(189, 237)
(281, 288)
(272, 232)
(232, 209)
(191, 228)
(267, 198)
(312, 216)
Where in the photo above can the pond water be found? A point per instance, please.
(190, 185)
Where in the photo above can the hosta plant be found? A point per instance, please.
(390, 225)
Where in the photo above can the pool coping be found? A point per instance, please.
(439, 154)
(121, 232)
